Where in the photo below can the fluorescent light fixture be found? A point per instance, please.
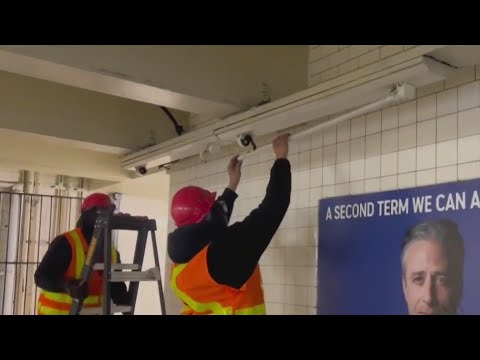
(402, 92)
(298, 109)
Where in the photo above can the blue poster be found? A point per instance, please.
(412, 251)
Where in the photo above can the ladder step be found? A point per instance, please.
(128, 222)
(152, 274)
(99, 310)
(119, 267)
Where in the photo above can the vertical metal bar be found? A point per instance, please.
(6, 255)
(50, 222)
(107, 270)
(12, 260)
(69, 212)
(38, 251)
(20, 211)
(157, 264)
(59, 214)
(27, 260)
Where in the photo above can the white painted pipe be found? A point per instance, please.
(12, 244)
(25, 239)
(401, 92)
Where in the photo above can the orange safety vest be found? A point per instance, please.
(59, 303)
(201, 295)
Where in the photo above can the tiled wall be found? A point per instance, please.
(433, 139)
(326, 62)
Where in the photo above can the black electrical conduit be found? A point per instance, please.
(178, 127)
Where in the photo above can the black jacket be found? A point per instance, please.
(50, 272)
(235, 250)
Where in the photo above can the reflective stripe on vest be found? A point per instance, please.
(55, 303)
(51, 303)
(210, 308)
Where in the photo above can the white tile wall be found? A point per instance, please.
(407, 136)
(343, 152)
(372, 185)
(389, 164)
(358, 127)
(390, 118)
(426, 132)
(343, 131)
(447, 174)
(469, 170)
(469, 96)
(373, 145)
(357, 149)
(327, 61)
(372, 167)
(447, 102)
(468, 123)
(426, 177)
(329, 154)
(447, 153)
(447, 127)
(407, 180)
(330, 136)
(432, 139)
(407, 160)
(426, 157)
(389, 141)
(426, 107)
(407, 113)
(388, 183)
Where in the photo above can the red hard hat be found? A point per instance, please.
(98, 200)
(191, 204)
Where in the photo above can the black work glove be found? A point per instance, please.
(77, 289)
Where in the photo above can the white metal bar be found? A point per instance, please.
(150, 275)
(398, 94)
(118, 267)
(12, 243)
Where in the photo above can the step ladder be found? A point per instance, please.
(107, 221)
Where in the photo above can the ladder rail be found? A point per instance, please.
(157, 264)
(107, 271)
(137, 259)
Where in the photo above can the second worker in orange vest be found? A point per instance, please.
(58, 274)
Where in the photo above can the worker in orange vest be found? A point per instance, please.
(215, 266)
(59, 273)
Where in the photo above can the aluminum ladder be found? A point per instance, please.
(105, 222)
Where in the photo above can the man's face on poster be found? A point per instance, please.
(426, 284)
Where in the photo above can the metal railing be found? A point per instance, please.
(28, 224)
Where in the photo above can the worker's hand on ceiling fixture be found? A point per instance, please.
(234, 173)
(280, 146)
